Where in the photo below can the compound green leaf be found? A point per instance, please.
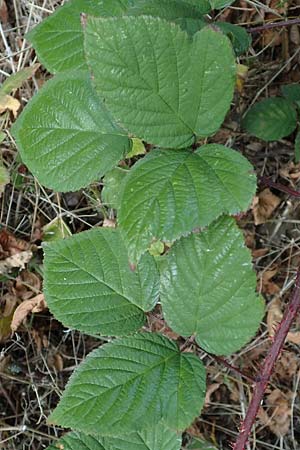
(218, 4)
(65, 135)
(89, 285)
(58, 40)
(188, 17)
(157, 438)
(130, 383)
(170, 192)
(240, 39)
(158, 83)
(271, 119)
(208, 288)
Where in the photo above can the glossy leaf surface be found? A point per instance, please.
(89, 285)
(160, 85)
(271, 119)
(208, 288)
(130, 383)
(66, 136)
(170, 192)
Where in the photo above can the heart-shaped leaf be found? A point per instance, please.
(158, 83)
(133, 383)
(208, 288)
(66, 136)
(89, 285)
(170, 192)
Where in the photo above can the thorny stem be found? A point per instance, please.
(268, 365)
(280, 187)
(266, 26)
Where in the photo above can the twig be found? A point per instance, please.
(267, 26)
(223, 362)
(268, 365)
(280, 187)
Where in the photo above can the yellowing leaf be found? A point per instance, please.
(8, 103)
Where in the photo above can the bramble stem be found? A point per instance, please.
(268, 365)
(267, 26)
(280, 187)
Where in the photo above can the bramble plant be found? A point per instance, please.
(276, 117)
(156, 71)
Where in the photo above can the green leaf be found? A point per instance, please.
(89, 285)
(199, 444)
(132, 383)
(157, 438)
(271, 119)
(297, 147)
(160, 85)
(56, 229)
(189, 17)
(241, 40)
(16, 80)
(218, 4)
(138, 148)
(170, 192)
(221, 308)
(112, 181)
(4, 177)
(78, 441)
(58, 40)
(65, 135)
(292, 93)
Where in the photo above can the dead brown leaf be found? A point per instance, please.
(15, 261)
(274, 316)
(209, 391)
(3, 12)
(34, 305)
(10, 245)
(266, 285)
(264, 205)
(286, 366)
(9, 103)
(55, 361)
(259, 252)
(277, 416)
(291, 172)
